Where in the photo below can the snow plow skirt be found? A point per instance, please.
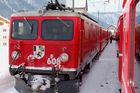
(71, 86)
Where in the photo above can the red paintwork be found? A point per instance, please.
(124, 2)
(128, 52)
(104, 37)
(120, 43)
(26, 46)
(85, 44)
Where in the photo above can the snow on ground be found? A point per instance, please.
(137, 76)
(101, 79)
(103, 76)
(7, 83)
(3, 58)
(6, 80)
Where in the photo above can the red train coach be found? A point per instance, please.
(119, 34)
(55, 44)
(104, 38)
(126, 32)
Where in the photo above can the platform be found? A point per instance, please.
(137, 76)
(103, 77)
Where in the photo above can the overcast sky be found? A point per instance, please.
(99, 5)
(103, 6)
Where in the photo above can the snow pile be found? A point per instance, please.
(7, 82)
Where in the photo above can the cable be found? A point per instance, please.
(13, 61)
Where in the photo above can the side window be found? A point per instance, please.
(96, 32)
(91, 31)
(86, 30)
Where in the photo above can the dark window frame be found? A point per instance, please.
(21, 21)
(57, 39)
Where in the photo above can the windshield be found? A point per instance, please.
(24, 29)
(57, 29)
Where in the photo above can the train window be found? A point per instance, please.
(24, 29)
(87, 30)
(91, 31)
(57, 29)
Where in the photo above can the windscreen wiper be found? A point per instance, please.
(63, 22)
(29, 25)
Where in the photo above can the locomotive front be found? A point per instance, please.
(42, 45)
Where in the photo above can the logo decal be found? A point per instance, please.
(39, 51)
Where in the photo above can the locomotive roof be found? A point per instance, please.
(51, 13)
(46, 13)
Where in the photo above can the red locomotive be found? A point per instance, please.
(52, 45)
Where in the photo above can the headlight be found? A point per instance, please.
(15, 55)
(64, 57)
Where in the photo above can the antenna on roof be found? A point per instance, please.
(56, 1)
(73, 4)
(86, 4)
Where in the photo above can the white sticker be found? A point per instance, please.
(39, 51)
